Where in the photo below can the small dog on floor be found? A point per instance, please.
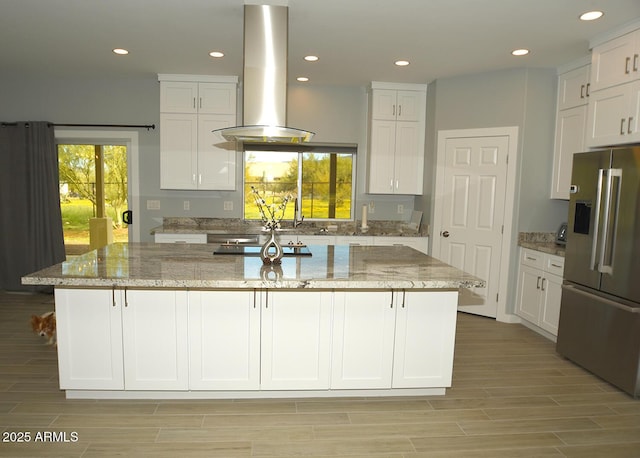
(45, 326)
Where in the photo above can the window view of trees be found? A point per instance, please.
(325, 186)
(78, 193)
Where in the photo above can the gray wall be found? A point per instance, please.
(525, 98)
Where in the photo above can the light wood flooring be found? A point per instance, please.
(512, 396)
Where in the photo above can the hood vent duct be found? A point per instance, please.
(265, 79)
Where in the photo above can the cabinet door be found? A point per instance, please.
(528, 299)
(615, 62)
(607, 116)
(154, 324)
(425, 337)
(89, 332)
(570, 133)
(178, 97)
(224, 340)
(363, 334)
(217, 98)
(409, 105)
(216, 156)
(296, 340)
(409, 160)
(178, 151)
(574, 88)
(381, 157)
(550, 314)
(384, 104)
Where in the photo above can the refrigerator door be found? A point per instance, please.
(620, 265)
(601, 335)
(588, 182)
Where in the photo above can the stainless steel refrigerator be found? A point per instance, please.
(599, 325)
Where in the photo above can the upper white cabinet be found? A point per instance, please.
(614, 103)
(396, 138)
(571, 121)
(616, 61)
(191, 155)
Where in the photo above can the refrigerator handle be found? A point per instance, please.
(605, 264)
(596, 223)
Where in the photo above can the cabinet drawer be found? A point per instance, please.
(554, 265)
(180, 238)
(532, 258)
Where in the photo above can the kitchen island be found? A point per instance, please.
(176, 321)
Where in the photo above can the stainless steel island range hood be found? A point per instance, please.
(265, 79)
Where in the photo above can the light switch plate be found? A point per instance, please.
(153, 205)
(228, 205)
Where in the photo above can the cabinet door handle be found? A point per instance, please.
(194, 103)
(543, 282)
(404, 295)
(622, 126)
(391, 184)
(627, 61)
(393, 110)
(113, 296)
(538, 282)
(399, 110)
(588, 87)
(582, 88)
(200, 102)
(629, 125)
(635, 62)
(391, 304)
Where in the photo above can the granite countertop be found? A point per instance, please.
(180, 225)
(144, 265)
(541, 241)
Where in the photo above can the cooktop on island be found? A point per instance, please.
(254, 250)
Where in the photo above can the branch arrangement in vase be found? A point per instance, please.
(271, 214)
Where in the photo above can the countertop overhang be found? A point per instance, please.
(194, 266)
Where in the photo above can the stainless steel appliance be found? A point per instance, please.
(599, 325)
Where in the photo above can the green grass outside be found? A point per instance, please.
(75, 222)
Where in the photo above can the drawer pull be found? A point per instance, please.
(556, 265)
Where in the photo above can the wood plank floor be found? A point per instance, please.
(512, 396)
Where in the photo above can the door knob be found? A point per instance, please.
(445, 234)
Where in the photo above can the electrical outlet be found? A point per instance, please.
(228, 205)
(372, 207)
(400, 209)
(186, 205)
(153, 205)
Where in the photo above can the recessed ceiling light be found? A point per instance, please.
(591, 15)
(401, 63)
(311, 58)
(302, 79)
(216, 54)
(121, 51)
(520, 52)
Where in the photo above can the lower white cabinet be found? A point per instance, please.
(393, 339)
(89, 333)
(540, 289)
(154, 336)
(224, 340)
(165, 237)
(419, 243)
(122, 339)
(296, 340)
(232, 341)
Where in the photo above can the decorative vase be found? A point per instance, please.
(271, 251)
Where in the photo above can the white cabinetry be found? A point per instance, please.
(114, 339)
(89, 332)
(296, 340)
(419, 243)
(571, 121)
(224, 340)
(616, 61)
(154, 335)
(393, 339)
(191, 155)
(539, 289)
(396, 138)
(164, 237)
(615, 92)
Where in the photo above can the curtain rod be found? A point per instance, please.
(138, 126)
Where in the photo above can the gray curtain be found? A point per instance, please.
(30, 221)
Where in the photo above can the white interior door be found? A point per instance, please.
(469, 213)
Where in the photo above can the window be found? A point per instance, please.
(319, 176)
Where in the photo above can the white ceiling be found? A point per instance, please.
(357, 40)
